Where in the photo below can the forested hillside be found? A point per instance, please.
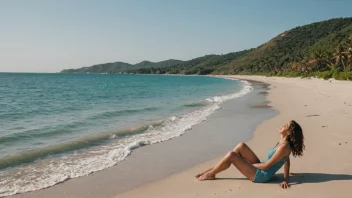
(315, 47)
(118, 67)
(322, 49)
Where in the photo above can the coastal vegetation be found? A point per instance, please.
(321, 49)
(199, 66)
(121, 67)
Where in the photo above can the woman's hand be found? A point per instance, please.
(284, 185)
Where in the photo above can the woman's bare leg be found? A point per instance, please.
(244, 151)
(245, 167)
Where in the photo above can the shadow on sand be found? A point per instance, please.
(301, 178)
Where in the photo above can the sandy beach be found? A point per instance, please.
(324, 110)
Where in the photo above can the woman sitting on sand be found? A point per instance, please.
(250, 166)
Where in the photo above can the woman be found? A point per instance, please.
(259, 172)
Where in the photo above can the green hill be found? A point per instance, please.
(118, 67)
(201, 66)
(319, 49)
(293, 46)
(322, 49)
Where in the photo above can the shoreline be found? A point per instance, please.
(128, 174)
(322, 108)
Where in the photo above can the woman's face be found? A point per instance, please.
(284, 129)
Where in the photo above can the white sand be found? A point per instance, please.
(325, 170)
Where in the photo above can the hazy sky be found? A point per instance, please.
(48, 36)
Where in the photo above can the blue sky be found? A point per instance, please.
(48, 36)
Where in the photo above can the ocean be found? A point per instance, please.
(54, 127)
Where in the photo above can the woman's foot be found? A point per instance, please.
(206, 176)
(198, 175)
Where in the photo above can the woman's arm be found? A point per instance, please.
(285, 184)
(287, 170)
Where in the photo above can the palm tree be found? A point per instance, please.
(349, 58)
(329, 57)
(307, 64)
(340, 56)
(319, 58)
(349, 50)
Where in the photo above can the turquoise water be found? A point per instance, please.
(69, 125)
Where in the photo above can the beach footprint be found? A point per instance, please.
(229, 190)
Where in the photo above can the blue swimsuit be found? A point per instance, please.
(262, 176)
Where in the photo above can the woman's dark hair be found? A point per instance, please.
(296, 139)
